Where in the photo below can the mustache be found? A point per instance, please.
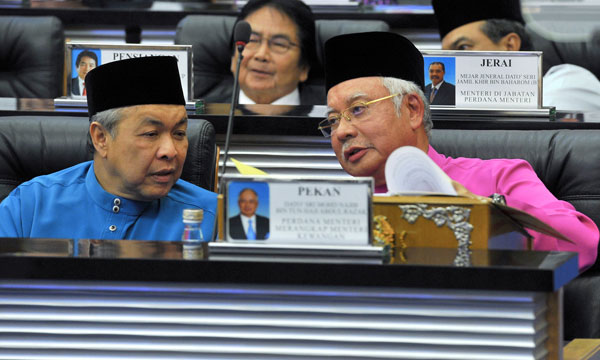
(349, 143)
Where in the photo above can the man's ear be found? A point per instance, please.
(416, 110)
(304, 69)
(100, 138)
(511, 42)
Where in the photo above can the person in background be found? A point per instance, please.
(86, 61)
(279, 55)
(131, 189)
(376, 104)
(479, 25)
(439, 91)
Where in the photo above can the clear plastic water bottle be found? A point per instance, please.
(194, 246)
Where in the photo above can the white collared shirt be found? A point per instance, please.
(292, 98)
(245, 222)
(80, 85)
(436, 87)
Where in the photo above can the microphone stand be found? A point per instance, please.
(241, 36)
(234, 104)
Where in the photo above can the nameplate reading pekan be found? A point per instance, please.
(484, 79)
(282, 210)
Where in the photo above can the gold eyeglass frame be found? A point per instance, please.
(345, 116)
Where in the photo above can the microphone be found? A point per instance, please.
(241, 36)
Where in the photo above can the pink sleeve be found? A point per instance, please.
(525, 191)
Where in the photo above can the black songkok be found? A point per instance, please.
(367, 54)
(138, 81)
(451, 14)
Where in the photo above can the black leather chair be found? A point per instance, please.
(568, 162)
(31, 57)
(210, 36)
(33, 145)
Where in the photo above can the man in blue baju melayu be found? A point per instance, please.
(131, 189)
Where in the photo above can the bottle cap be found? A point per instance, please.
(193, 215)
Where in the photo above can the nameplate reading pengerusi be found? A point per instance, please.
(95, 54)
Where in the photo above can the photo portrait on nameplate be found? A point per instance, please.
(82, 61)
(440, 80)
(249, 201)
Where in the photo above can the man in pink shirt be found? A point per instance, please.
(376, 104)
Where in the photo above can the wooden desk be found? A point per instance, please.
(126, 298)
(582, 349)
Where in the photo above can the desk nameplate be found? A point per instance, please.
(291, 210)
(100, 54)
(484, 79)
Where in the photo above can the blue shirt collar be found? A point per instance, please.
(108, 201)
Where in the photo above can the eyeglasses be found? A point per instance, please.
(354, 112)
(277, 44)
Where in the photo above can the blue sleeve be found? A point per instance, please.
(10, 215)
